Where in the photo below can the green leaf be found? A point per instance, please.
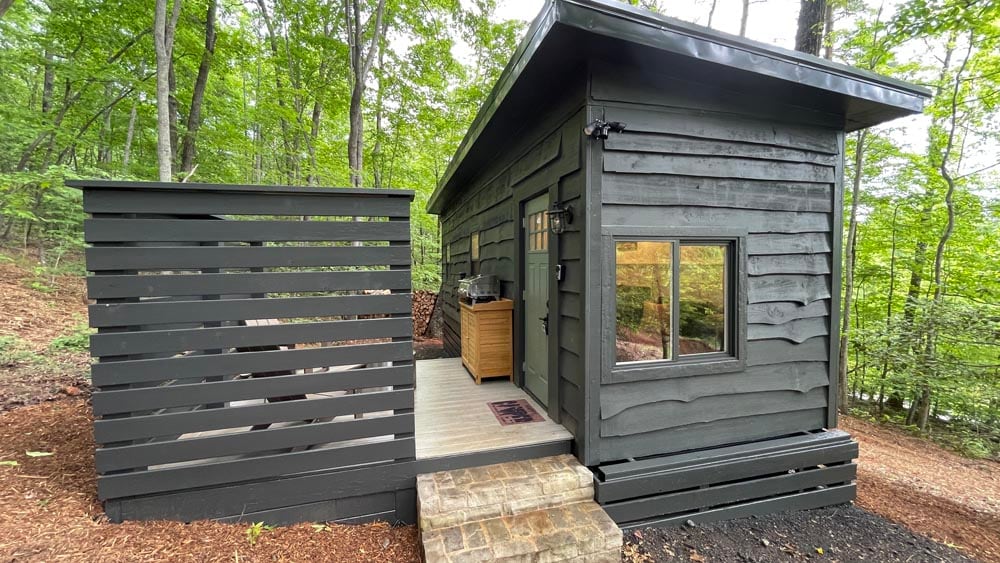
(38, 454)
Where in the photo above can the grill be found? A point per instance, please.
(479, 289)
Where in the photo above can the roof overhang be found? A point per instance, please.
(867, 98)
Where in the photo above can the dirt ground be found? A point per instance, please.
(30, 320)
(839, 533)
(949, 498)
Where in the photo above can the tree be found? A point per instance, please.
(198, 93)
(163, 39)
(360, 60)
(809, 33)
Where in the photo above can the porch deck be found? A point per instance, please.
(452, 416)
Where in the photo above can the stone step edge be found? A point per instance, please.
(580, 530)
(447, 498)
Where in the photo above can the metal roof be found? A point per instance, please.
(867, 98)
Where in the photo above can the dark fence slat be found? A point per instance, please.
(190, 367)
(150, 426)
(194, 257)
(143, 455)
(187, 230)
(113, 287)
(130, 400)
(152, 341)
(217, 203)
(207, 474)
(167, 312)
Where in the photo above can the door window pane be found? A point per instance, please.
(702, 298)
(643, 271)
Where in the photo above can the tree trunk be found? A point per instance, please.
(849, 262)
(279, 87)
(198, 93)
(129, 134)
(809, 32)
(711, 13)
(360, 65)
(4, 6)
(828, 32)
(163, 40)
(744, 15)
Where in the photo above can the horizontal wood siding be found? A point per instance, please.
(233, 353)
(546, 157)
(674, 167)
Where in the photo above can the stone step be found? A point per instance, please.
(449, 498)
(579, 531)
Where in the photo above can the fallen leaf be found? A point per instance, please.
(9, 463)
(764, 542)
(819, 550)
(38, 454)
(695, 556)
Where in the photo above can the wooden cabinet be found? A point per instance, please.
(487, 339)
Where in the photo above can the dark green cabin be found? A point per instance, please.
(691, 303)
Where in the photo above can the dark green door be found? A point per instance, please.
(536, 294)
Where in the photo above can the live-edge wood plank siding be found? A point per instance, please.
(546, 157)
(681, 166)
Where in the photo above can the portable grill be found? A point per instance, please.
(479, 289)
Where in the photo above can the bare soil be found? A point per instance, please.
(839, 533)
(929, 489)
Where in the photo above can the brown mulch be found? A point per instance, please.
(37, 316)
(33, 372)
(932, 491)
(49, 512)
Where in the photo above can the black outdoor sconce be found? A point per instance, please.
(559, 216)
(599, 129)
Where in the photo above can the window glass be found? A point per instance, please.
(702, 298)
(643, 271)
(538, 233)
(474, 246)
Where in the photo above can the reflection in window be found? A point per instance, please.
(645, 306)
(643, 272)
(538, 231)
(703, 299)
(474, 246)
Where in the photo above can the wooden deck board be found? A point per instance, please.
(452, 416)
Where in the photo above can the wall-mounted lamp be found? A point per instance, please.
(599, 129)
(559, 216)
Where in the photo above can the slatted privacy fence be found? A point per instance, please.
(247, 334)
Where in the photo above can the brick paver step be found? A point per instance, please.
(579, 531)
(449, 498)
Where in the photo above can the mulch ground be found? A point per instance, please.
(839, 533)
(49, 512)
(944, 496)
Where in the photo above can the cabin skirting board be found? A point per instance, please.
(804, 471)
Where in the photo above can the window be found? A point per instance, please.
(538, 232)
(672, 304)
(474, 246)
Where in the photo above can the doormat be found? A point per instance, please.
(517, 411)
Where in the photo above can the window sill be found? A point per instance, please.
(670, 370)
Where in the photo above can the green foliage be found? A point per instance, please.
(77, 340)
(15, 351)
(254, 531)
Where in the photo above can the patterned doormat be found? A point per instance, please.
(517, 411)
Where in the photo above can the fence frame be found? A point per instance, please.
(175, 351)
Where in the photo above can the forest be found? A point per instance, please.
(378, 93)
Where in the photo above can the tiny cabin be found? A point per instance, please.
(662, 203)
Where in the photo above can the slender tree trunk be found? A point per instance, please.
(188, 145)
(129, 134)
(104, 136)
(809, 32)
(828, 32)
(279, 87)
(744, 15)
(360, 61)
(849, 262)
(711, 13)
(4, 6)
(163, 40)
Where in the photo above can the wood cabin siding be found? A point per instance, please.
(680, 164)
(546, 158)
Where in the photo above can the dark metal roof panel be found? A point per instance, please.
(236, 188)
(869, 98)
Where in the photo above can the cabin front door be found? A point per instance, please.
(536, 293)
